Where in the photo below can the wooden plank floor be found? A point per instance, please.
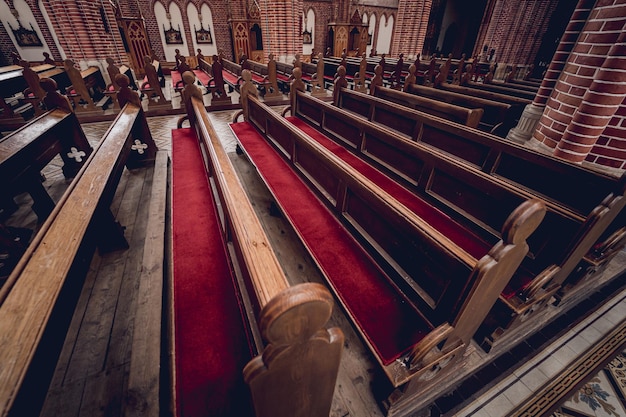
(92, 371)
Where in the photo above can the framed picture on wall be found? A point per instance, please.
(203, 36)
(25, 37)
(172, 36)
(306, 38)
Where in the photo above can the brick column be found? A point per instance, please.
(589, 53)
(281, 23)
(529, 119)
(599, 104)
(410, 30)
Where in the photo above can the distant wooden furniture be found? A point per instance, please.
(78, 92)
(151, 85)
(26, 151)
(35, 312)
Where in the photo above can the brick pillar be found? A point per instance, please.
(599, 104)
(411, 26)
(589, 53)
(533, 112)
(281, 23)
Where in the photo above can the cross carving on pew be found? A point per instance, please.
(76, 154)
(139, 147)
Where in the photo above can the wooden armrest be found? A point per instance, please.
(612, 244)
(540, 282)
(426, 345)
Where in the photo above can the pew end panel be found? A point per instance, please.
(29, 149)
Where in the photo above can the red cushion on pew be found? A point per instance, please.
(202, 76)
(230, 77)
(211, 343)
(389, 322)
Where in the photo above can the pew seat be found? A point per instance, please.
(177, 80)
(203, 77)
(198, 253)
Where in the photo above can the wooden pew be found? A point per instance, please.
(35, 312)
(401, 242)
(470, 117)
(232, 74)
(506, 90)
(215, 83)
(517, 104)
(585, 216)
(300, 380)
(24, 153)
(498, 117)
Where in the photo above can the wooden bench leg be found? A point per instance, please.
(42, 202)
(109, 232)
(7, 207)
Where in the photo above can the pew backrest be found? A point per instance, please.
(383, 97)
(495, 113)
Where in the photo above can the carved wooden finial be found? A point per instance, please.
(340, 81)
(126, 95)
(53, 99)
(296, 85)
(247, 89)
(377, 79)
(410, 79)
(190, 90)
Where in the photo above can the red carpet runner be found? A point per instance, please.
(210, 341)
(389, 322)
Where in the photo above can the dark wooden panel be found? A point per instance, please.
(343, 129)
(429, 276)
(318, 172)
(392, 158)
(473, 152)
(396, 121)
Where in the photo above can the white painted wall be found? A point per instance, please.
(385, 30)
(208, 49)
(27, 53)
(310, 26)
(370, 30)
(177, 23)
